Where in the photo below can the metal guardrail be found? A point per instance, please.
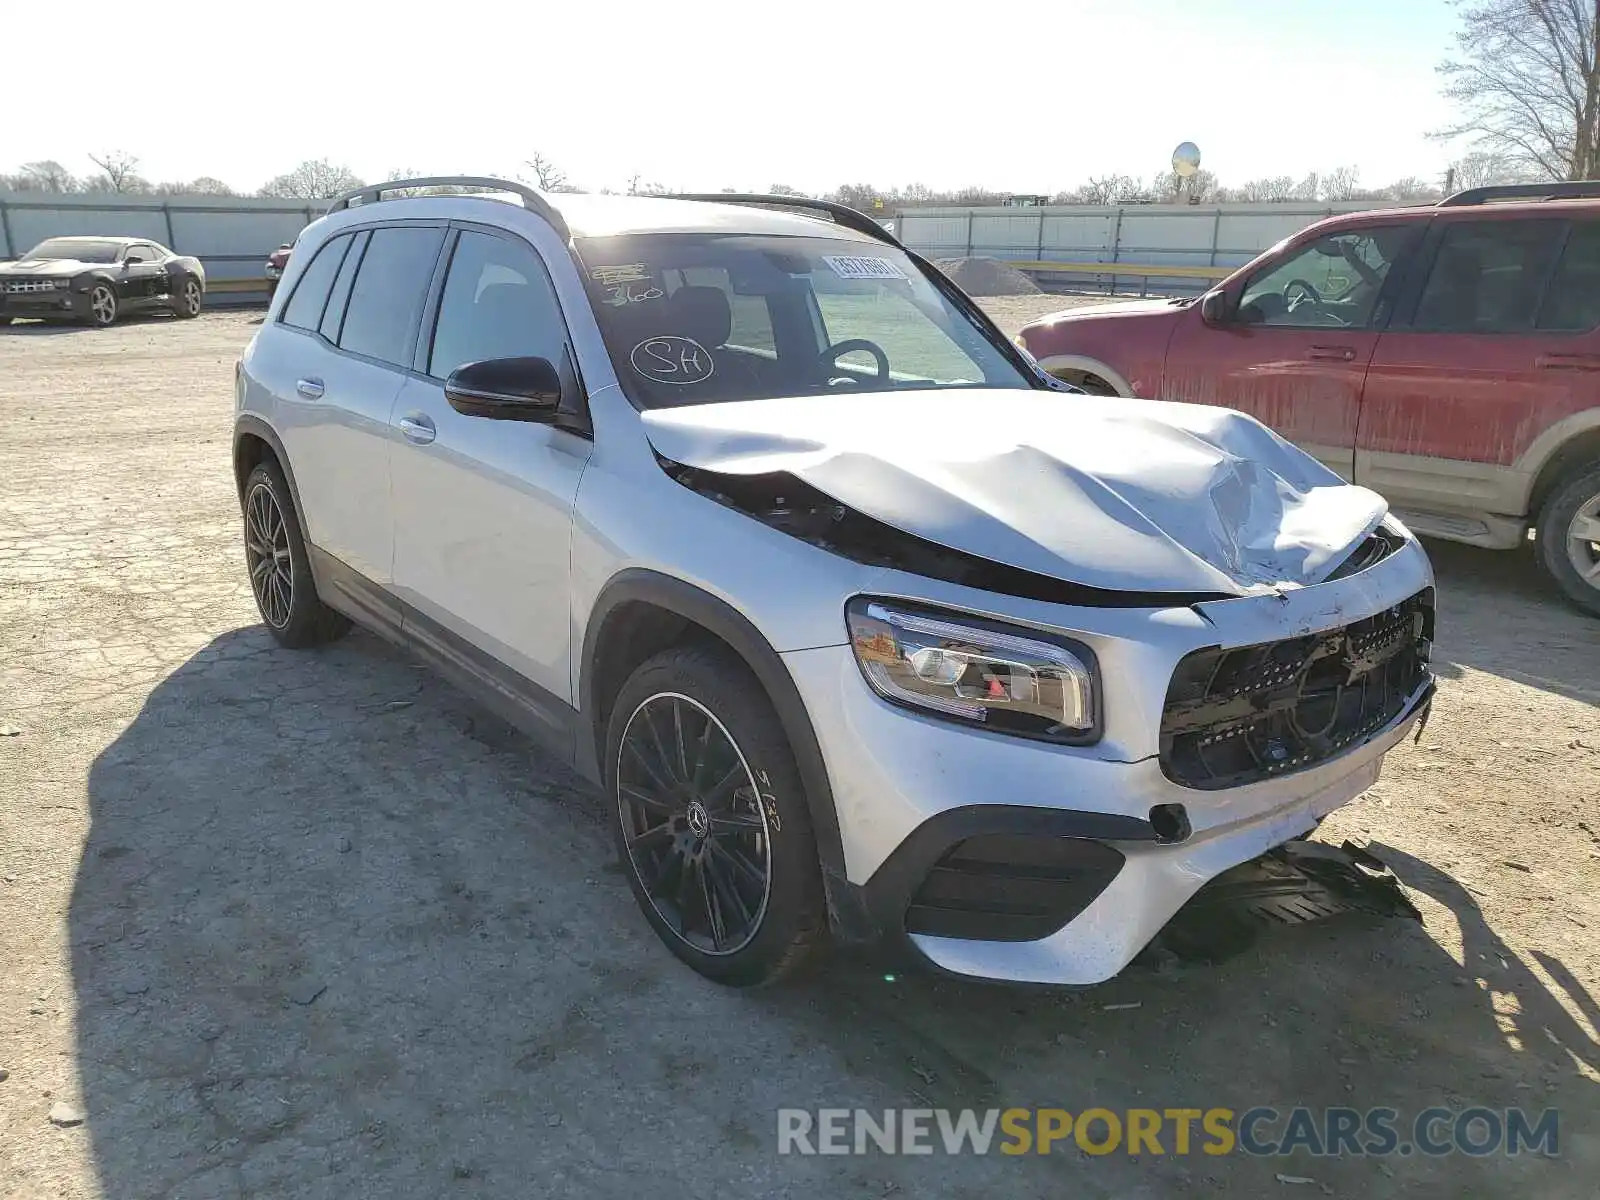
(1107, 272)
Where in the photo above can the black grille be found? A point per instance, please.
(1010, 887)
(1237, 716)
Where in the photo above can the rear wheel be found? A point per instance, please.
(188, 301)
(280, 569)
(1568, 535)
(712, 824)
(102, 305)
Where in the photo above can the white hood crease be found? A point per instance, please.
(1126, 495)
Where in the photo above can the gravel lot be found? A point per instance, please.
(310, 924)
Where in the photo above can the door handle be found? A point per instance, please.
(1568, 362)
(418, 429)
(311, 389)
(1331, 353)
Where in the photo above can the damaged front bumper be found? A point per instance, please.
(999, 858)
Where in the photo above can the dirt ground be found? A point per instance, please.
(311, 925)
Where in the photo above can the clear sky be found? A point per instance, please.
(1026, 95)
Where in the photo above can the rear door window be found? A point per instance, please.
(1488, 276)
(1572, 302)
(304, 310)
(333, 315)
(380, 319)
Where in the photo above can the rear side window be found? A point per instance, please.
(380, 319)
(333, 315)
(497, 303)
(304, 310)
(1488, 276)
(1573, 301)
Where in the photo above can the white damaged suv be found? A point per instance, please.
(866, 629)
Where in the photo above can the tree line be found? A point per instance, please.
(320, 179)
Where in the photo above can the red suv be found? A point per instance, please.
(1447, 357)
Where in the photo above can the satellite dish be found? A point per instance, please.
(1186, 159)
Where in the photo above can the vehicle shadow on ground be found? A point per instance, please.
(336, 932)
(27, 328)
(1499, 612)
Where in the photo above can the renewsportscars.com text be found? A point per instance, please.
(1260, 1131)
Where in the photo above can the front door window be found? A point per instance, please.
(1334, 282)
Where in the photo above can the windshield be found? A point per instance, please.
(693, 318)
(83, 251)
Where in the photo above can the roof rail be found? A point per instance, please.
(850, 218)
(531, 200)
(1580, 190)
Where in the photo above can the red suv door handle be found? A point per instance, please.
(1332, 353)
(1568, 362)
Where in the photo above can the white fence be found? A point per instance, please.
(232, 237)
(1185, 247)
(1065, 244)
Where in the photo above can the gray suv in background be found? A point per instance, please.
(867, 629)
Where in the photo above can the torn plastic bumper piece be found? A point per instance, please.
(1292, 884)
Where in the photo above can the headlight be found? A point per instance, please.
(62, 285)
(975, 671)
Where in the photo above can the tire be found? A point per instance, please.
(280, 569)
(189, 300)
(102, 306)
(752, 835)
(1568, 536)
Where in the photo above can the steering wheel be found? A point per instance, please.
(828, 360)
(1311, 294)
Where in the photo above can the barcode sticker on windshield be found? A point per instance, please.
(849, 267)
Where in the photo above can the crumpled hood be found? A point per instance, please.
(49, 268)
(1127, 495)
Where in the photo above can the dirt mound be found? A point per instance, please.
(988, 277)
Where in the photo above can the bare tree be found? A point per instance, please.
(1340, 183)
(119, 172)
(549, 177)
(1107, 189)
(855, 195)
(314, 179)
(1410, 188)
(208, 185)
(1270, 189)
(1527, 80)
(1168, 187)
(1481, 169)
(782, 189)
(1308, 188)
(50, 176)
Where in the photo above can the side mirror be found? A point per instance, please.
(1216, 308)
(506, 389)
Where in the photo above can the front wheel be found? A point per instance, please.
(712, 825)
(102, 306)
(1568, 536)
(188, 301)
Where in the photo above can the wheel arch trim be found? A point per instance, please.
(1546, 451)
(247, 425)
(1092, 366)
(694, 604)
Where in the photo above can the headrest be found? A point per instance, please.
(701, 313)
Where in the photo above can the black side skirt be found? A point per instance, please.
(514, 698)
